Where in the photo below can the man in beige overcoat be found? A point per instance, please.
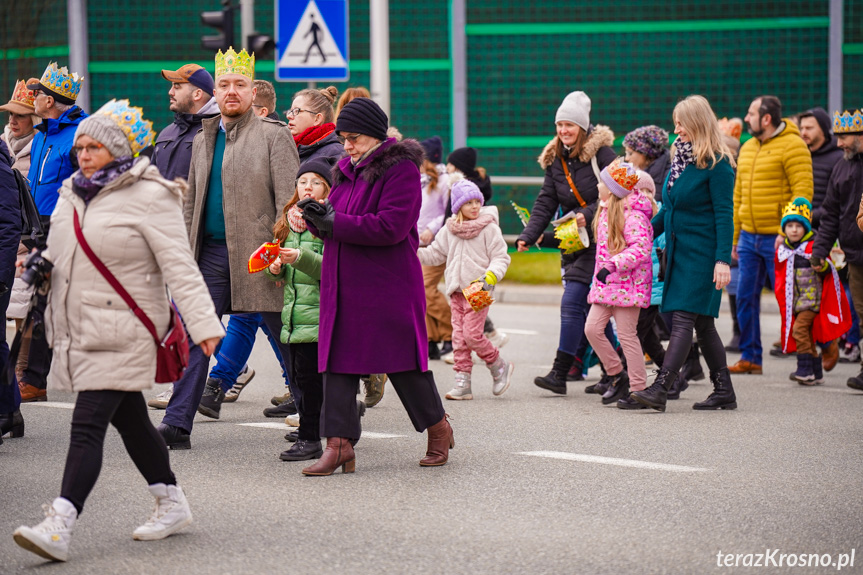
(242, 174)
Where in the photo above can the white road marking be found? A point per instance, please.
(613, 461)
(283, 427)
(519, 331)
(59, 404)
(794, 385)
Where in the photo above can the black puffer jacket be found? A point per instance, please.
(823, 160)
(556, 193)
(327, 147)
(839, 212)
(658, 170)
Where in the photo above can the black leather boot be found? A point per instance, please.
(556, 379)
(175, 438)
(680, 385)
(692, 370)
(600, 387)
(618, 388)
(656, 395)
(211, 400)
(13, 422)
(723, 394)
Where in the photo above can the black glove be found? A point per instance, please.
(319, 215)
(602, 274)
(817, 263)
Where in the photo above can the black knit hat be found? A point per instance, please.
(363, 116)
(464, 159)
(319, 166)
(434, 149)
(824, 121)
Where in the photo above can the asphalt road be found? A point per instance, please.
(536, 483)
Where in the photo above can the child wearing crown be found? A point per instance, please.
(812, 302)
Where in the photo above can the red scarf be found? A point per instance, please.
(314, 134)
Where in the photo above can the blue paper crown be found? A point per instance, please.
(131, 120)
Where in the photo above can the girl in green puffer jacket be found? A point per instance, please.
(299, 268)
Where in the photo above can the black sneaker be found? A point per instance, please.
(629, 403)
(211, 401)
(175, 438)
(302, 450)
(856, 382)
(283, 410)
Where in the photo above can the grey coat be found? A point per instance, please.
(259, 173)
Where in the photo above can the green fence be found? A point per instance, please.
(635, 59)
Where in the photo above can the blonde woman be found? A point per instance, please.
(696, 213)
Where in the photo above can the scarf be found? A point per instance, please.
(18, 144)
(786, 253)
(313, 134)
(682, 158)
(469, 229)
(88, 188)
(295, 220)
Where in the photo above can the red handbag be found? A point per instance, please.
(172, 351)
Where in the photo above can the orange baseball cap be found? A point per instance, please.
(192, 74)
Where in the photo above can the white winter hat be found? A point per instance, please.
(576, 109)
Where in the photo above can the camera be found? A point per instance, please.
(36, 269)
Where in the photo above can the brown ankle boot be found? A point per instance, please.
(440, 442)
(31, 393)
(338, 452)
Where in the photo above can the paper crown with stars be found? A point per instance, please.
(848, 122)
(131, 121)
(59, 83)
(798, 210)
(619, 177)
(235, 63)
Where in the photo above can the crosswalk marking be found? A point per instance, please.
(283, 427)
(613, 461)
(792, 385)
(519, 331)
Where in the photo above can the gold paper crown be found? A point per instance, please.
(131, 120)
(233, 63)
(61, 82)
(21, 95)
(848, 122)
(797, 209)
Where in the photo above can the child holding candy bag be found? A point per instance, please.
(472, 245)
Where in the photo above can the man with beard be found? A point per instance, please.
(774, 167)
(841, 208)
(242, 174)
(191, 100)
(815, 130)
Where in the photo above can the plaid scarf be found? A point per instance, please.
(682, 158)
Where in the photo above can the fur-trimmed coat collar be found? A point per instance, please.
(371, 169)
(598, 137)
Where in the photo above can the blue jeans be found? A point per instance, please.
(181, 410)
(755, 254)
(235, 349)
(573, 314)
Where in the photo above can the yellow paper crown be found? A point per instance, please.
(798, 208)
(233, 63)
(21, 95)
(61, 82)
(848, 122)
(131, 120)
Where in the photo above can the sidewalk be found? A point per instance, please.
(551, 294)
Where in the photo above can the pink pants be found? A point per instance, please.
(627, 322)
(467, 334)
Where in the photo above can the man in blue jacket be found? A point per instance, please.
(50, 164)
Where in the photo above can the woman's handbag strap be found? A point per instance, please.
(571, 184)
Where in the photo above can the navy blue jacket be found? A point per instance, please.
(327, 147)
(10, 222)
(173, 153)
(50, 162)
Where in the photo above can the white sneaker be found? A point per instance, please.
(501, 372)
(171, 514)
(161, 400)
(293, 420)
(462, 387)
(243, 380)
(50, 539)
(497, 338)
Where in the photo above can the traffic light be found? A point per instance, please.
(223, 21)
(262, 46)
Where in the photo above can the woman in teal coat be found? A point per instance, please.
(696, 217)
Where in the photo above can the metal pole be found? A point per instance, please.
(834, 66)
(79, 57)
(380, 53)
(247, 25)
(458, 56)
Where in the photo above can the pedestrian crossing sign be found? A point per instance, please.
(312, 40)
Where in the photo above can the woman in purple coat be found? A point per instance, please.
(372, 295)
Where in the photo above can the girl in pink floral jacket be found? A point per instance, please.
(622, 276)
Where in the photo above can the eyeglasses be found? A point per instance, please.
(314, 183)
(91, 149)
(352, 139)
(296, 112)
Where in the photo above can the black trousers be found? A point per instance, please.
(648, 335)
(304, 374)
(126, 411)
(682, 324)
(416, 390)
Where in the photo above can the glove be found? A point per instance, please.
(817, 263)
(319, 215)
(489, 280)
(602, 274)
